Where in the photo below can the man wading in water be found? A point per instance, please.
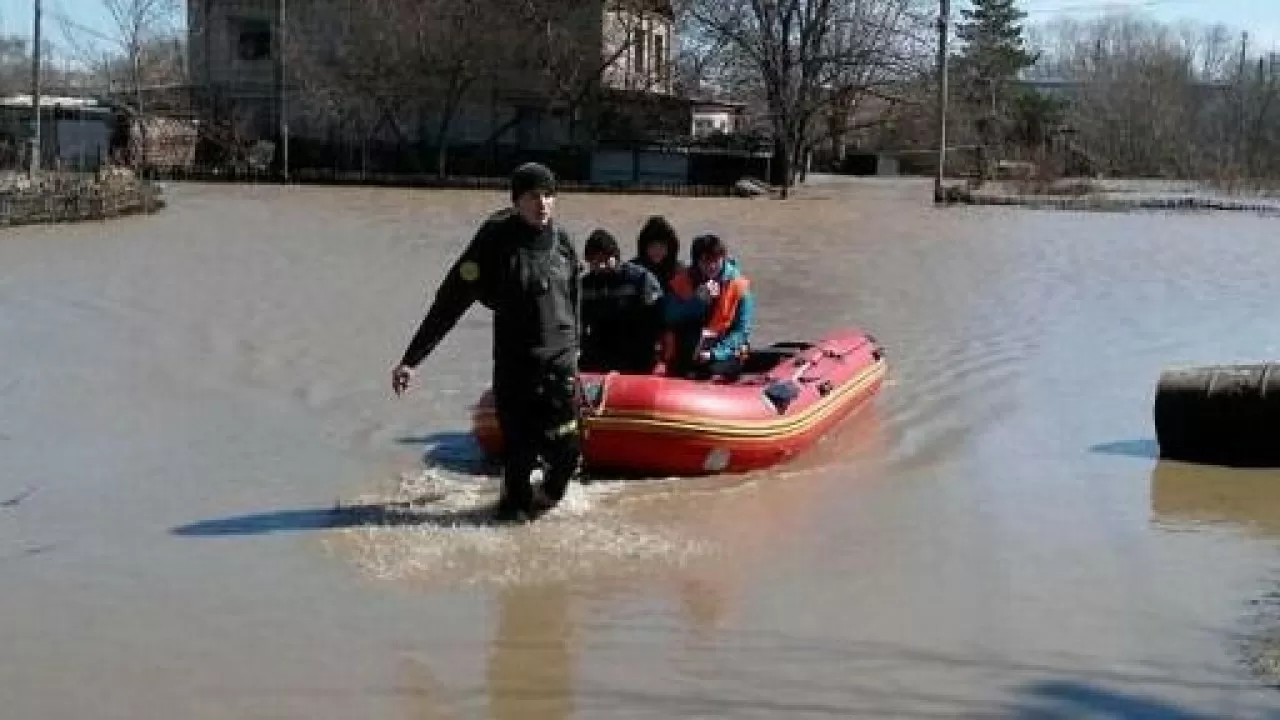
(523, 267)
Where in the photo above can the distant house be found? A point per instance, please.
(639, 43)
(235, 63)
(710, 117)
(75, 132)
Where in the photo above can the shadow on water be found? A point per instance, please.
(1047, 700)
(340, 516)
(1072, 699)
(1146, 448)
(456, 452)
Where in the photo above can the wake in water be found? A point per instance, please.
(438, 528)
(436, 525)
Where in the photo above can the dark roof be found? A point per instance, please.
(709, 102)
(662, 7)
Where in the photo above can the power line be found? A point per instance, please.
(65, 19)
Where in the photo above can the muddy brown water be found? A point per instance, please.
(186, 397)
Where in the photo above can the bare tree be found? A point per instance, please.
(15, 72)
(139, 47)
(381, 62)
(887, 45)
(341, 56)
(454, 37)
(701, 59)
(15, 64)
(376, 62)
(806, 56)
(1148, 98)
(577, 53)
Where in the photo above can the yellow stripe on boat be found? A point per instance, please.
(779, 428)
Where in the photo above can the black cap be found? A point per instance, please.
(601, 242)
(532, 176)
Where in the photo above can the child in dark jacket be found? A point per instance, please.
(621, 311)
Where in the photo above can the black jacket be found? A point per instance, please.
(621, 319)
(529, 278)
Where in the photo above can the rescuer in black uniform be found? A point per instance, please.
(523, 267)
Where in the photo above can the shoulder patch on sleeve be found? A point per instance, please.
(469, 271)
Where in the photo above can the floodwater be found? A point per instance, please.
(187, 397)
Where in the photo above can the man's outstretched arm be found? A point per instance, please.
(456, 294)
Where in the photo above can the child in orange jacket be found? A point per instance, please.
(709, 313)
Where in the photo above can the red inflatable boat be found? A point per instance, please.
(789, 395)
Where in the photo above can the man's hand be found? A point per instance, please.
(709, 290)
(400, 379)
(704, 356)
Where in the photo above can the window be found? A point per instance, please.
(640, 42)
(660, 58)
(253, 40)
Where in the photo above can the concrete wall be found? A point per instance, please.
(232, 43)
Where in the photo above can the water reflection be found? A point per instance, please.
(754, 520)
(1190, 494)
(531, 658)
(528, 669)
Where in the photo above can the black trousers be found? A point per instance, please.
(540, 421)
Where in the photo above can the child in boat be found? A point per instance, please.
(621, 311)
(709, 314)
(658, 250)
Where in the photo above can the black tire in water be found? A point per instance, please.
(1220, 415)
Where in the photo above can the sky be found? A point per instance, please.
(1260, 17)
(16, 17)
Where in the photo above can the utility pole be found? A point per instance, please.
(1240, 93)
(35, 94)
(141, 164)
(944, 17)
(284, 93)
